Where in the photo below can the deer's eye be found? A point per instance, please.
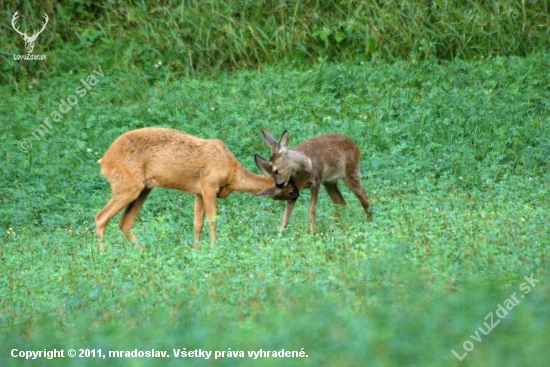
(276, 171)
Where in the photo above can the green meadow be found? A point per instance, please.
(452, 271)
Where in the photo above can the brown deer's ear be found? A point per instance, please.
(283, 143)
(269, 139)
(262, 164)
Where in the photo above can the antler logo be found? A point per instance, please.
(29, 40)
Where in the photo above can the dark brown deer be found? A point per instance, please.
(321, 160)
(139, 160)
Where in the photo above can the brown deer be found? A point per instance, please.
(320, 160)
(141, 159)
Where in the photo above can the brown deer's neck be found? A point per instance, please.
(246, 181)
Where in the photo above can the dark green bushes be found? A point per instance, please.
(191, 36)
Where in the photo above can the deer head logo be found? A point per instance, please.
(29, 40)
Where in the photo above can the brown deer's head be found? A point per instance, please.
(29, 40)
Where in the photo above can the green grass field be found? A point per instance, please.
(455, 158)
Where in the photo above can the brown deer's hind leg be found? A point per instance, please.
(128, 218)
(121, 198)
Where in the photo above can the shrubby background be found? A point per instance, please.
(193, 36)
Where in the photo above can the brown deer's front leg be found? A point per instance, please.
(198, 218)
(209, 198)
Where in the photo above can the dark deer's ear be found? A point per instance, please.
(269, 139)
(283, 143)
(263, 164)
(272, 191)
(275, 193)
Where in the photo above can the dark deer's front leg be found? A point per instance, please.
(288, 209)
(314, 189)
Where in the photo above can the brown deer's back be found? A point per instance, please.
(166, 156)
